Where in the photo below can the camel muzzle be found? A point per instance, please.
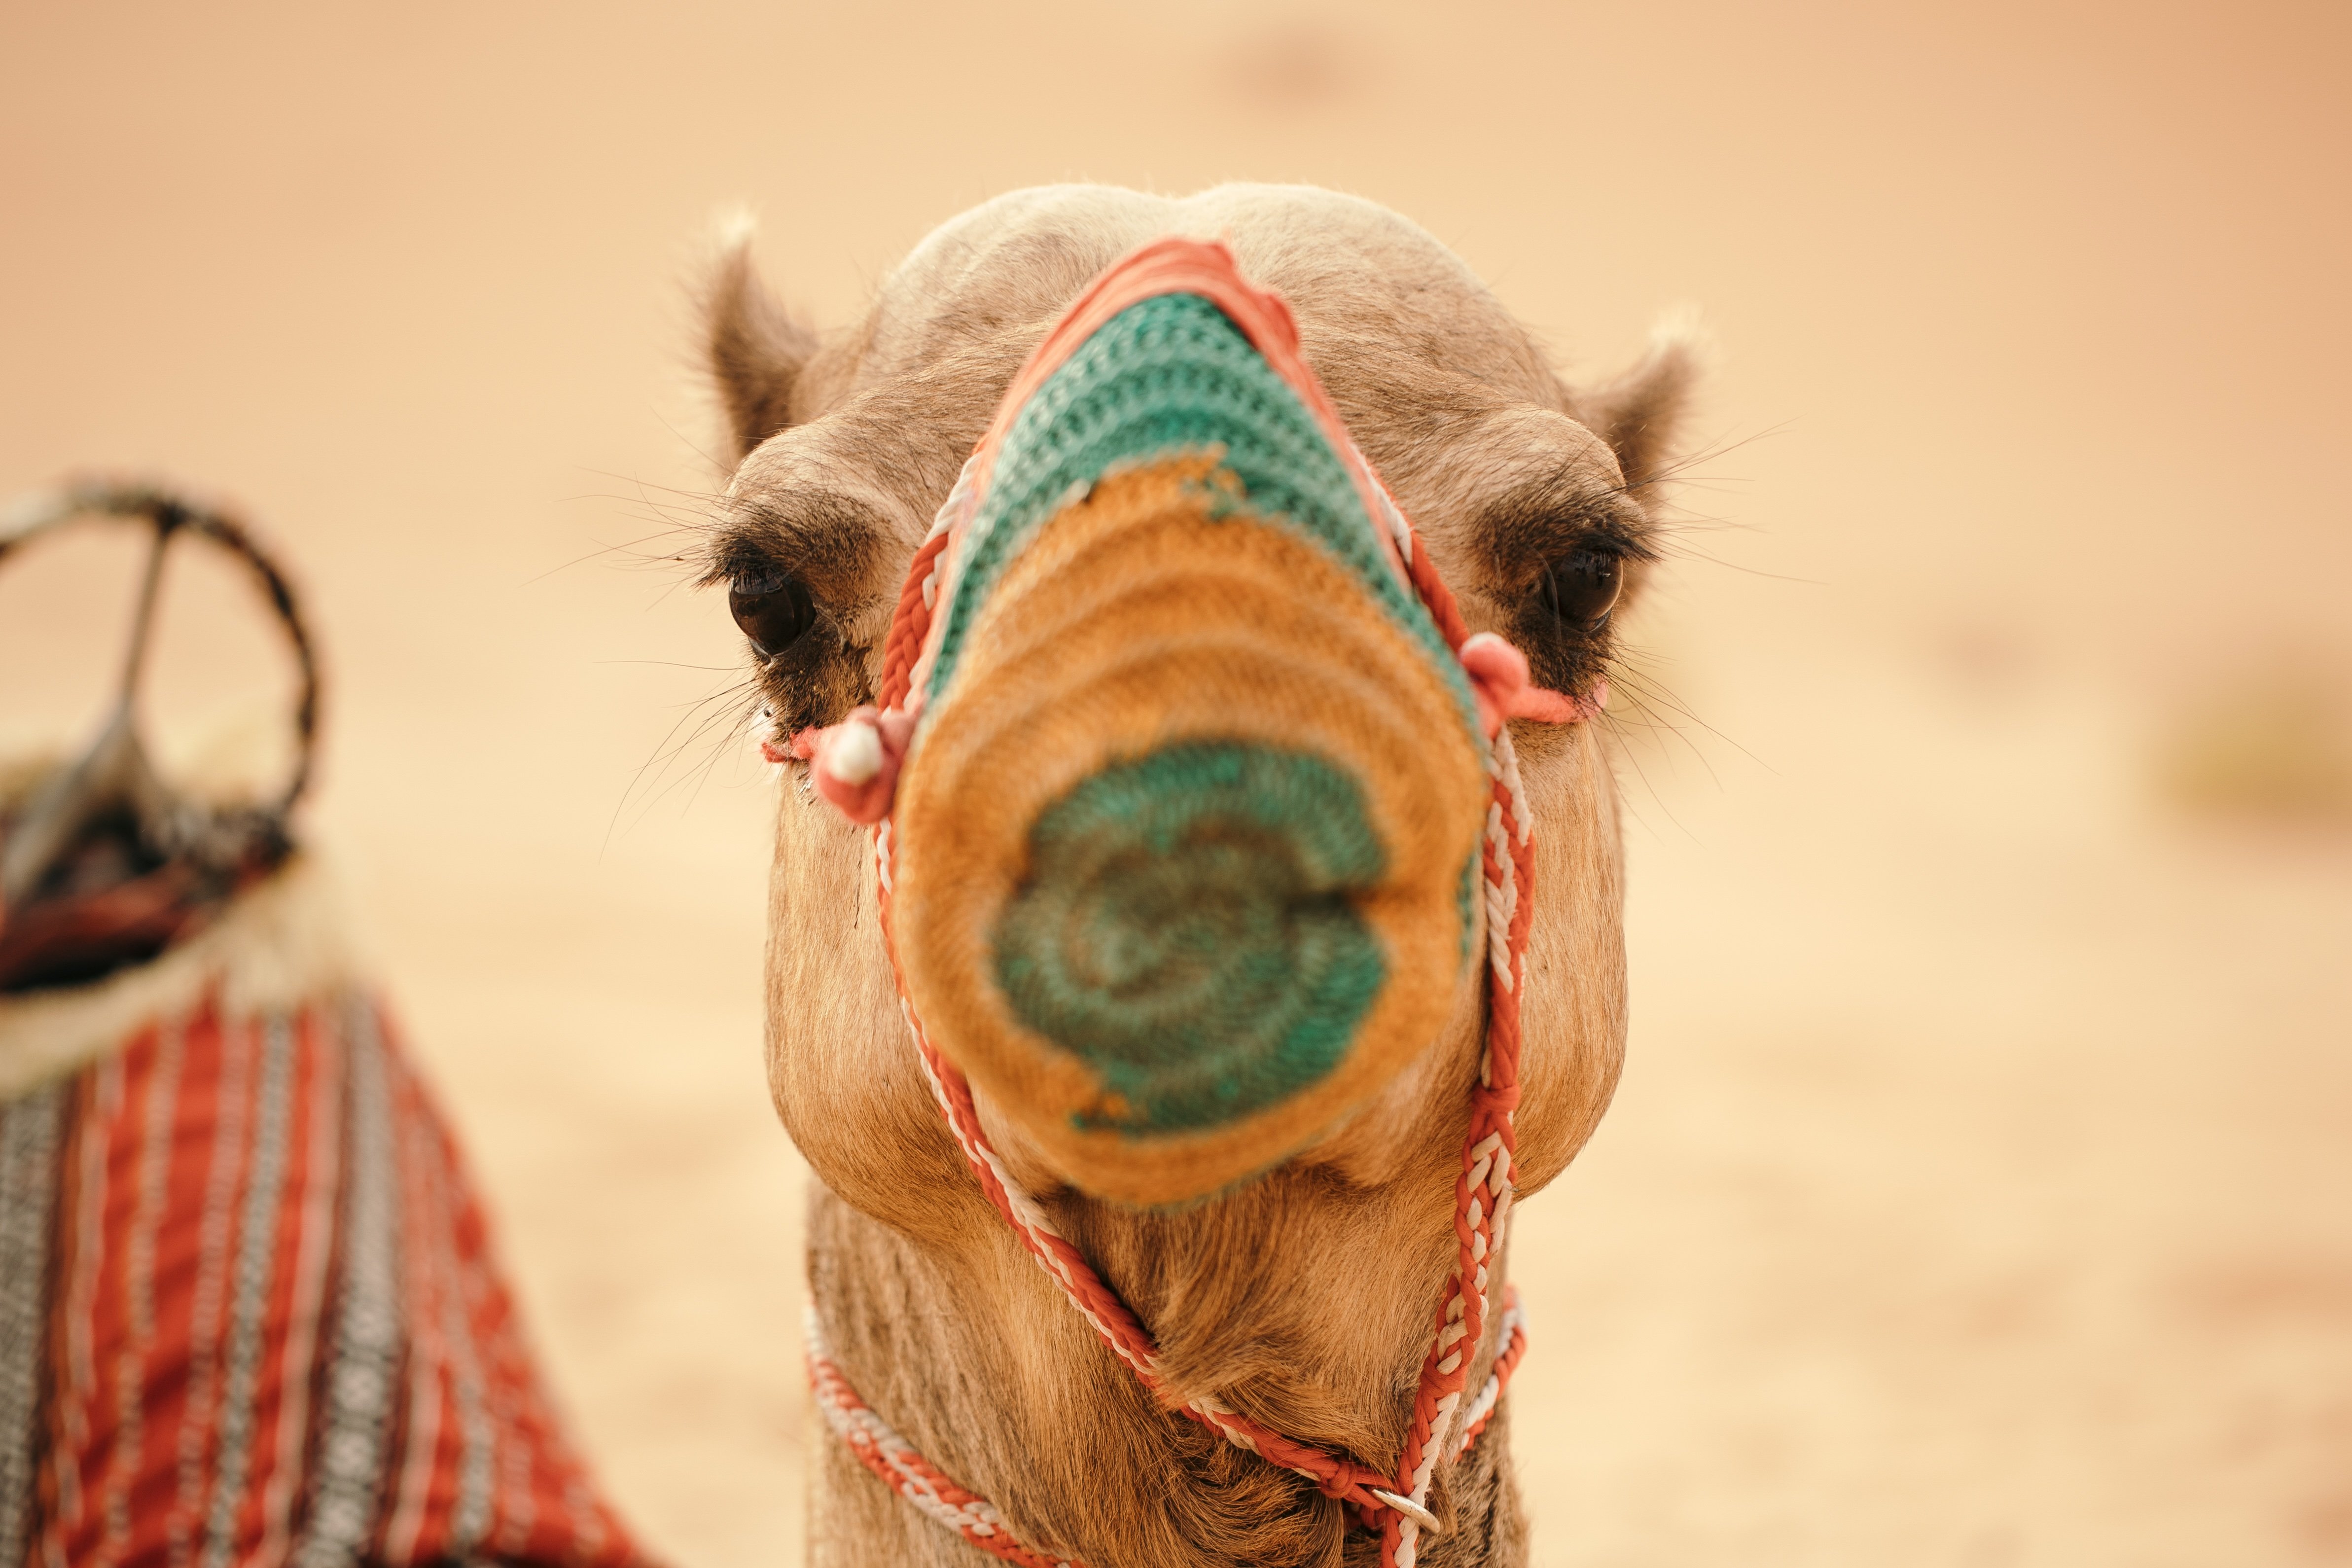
(1188, 825)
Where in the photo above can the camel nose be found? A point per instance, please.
(1187, 839)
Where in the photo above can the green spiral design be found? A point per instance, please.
(1187, 929)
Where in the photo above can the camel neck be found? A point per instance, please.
(968, 1353)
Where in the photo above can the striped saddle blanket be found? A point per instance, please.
(250, 1315)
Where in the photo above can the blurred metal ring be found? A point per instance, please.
(171, 512)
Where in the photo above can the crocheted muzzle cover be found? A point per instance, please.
(1186, 838)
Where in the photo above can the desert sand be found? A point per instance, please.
(1978, 1192)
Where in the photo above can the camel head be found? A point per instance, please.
(1187, 830)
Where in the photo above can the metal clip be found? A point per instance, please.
(1410, 1508)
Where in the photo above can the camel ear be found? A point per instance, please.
(756, 351)
(1641, 413)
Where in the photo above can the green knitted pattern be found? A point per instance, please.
(1465, 900)
(1186, 930)
(1168, 375)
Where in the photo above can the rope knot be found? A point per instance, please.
(1492, 1102)
(1500, 682)
(855, 763)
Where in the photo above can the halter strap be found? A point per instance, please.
(1395, 1502)
(902, 1468)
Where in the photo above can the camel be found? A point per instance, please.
(1300, 1294)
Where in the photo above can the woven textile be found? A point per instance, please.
(249, 1316)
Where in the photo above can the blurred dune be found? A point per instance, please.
(1979, 1191)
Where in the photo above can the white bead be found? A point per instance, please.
(854, 754)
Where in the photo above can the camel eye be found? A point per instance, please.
(1581, 588)
(773, 609)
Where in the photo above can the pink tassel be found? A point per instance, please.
(855, 763)
(1499, 681)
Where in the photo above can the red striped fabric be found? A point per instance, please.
(272, 1330)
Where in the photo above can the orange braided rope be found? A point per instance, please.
(878, 1447)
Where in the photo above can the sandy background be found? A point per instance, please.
(1979, 1190)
